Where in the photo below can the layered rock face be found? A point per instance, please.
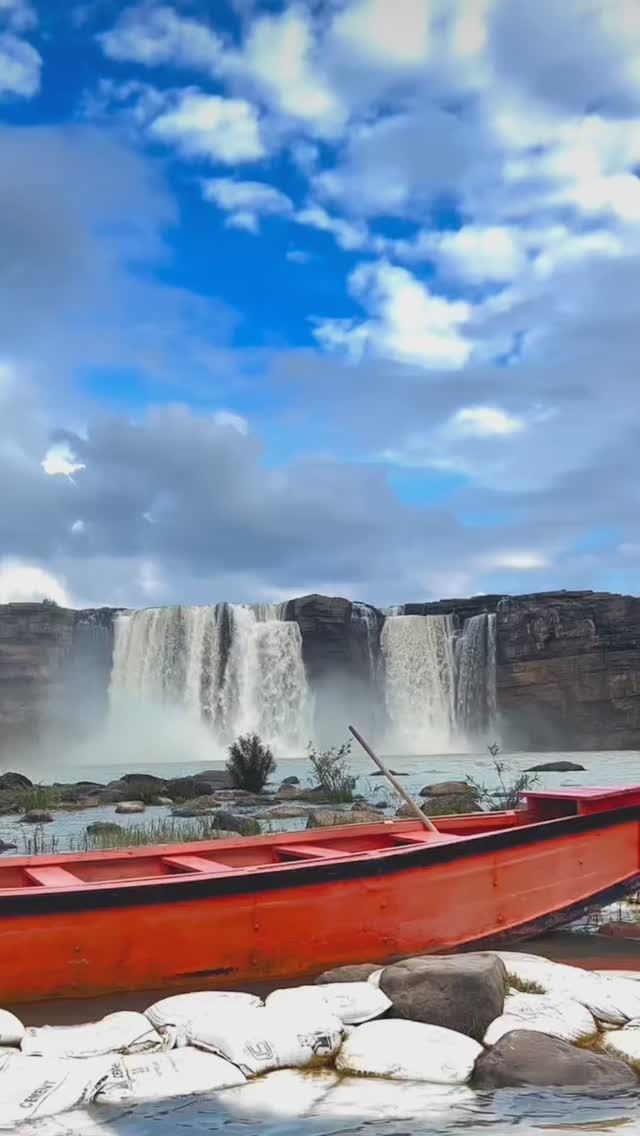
(568, 666)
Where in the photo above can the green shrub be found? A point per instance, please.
(511, 786)
(331, 773)
(43, 797)
(250, 764)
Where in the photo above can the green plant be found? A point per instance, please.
(511, 786)
(331, 772)
(35, 797)
(250, 763)
(40, 843)
(171, 830)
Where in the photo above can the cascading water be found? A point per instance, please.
(235, 667)
(420, 682)
(476, 676)
(365, 621)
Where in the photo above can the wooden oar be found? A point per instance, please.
(415, 809)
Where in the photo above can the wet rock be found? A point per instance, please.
(328, 818)
(523, 1058)
(358, 972)
(36, 816)
(78, 790)
(113, 792)
(285, 812)
(288, 793)
(130, 807)
(14, 781)
(379, 773)
(104, 828)
(246, 826)
(144, 781)
(463, 993)
(186, 788)
(289, 781)
(449, 789)
(556, 767)
(620, 929)
(6, 847)
(193, 809)
(164, 802)
(441, 806)
(217, 778)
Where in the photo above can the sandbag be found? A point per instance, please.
(614, 1000)
(12, 1030)
(351, 1002)
(182, 1072)
(375, 977)
(32, 1087)
(124, 1032)
(78, 1122)
(409, 1051)
(260, 1039)
(183, 1010)
(283, 1094)
(624, 1044)
(544, 1013)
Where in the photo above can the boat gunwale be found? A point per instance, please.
(138, 892)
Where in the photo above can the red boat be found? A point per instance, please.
(234, 913)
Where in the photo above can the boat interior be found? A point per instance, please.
(219, 857)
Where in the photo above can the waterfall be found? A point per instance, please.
(476, 676)
(365, 622)
(419, 686)
(235, 667)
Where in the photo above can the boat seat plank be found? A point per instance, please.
(195, 864)
(53, 877)
(306, 851)
(425, 837)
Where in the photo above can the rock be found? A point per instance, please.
(289, 781)
(186, 788)
(285, 812)
(449, 789)
(523, 1058)
(328, 818)
(36, 816)
(78, 790)
(14, 781)
(442, 806)
(217, 778)
(104, 828)
(358, 972)
(620, 929)
(162, 802)
(130, 807)
(144, 781)
(556, 767)
(81, 803)
(464, 993)
(5, 847)
(379, 773)
(113, 792)
(192, 809)
(288, 793)
(246, 826)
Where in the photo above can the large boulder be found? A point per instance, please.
(449, 789)
(357, 972)
(144, 781)
(104, 828)
(5, 847)
(193, 809)
(36, 816)
(14, 781)
(556, 767)
(442, 806)
(231, 822)
(78, 790)
(186, 788)
(130, 807)
(289, 781)
(523, 1058)
(463, 993)
(329, 818)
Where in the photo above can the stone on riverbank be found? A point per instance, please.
(556, 767)
(525, 1058)
(464, 993)
(14, 781)
(104, 828)
(130, 807)
(193, 809)
(36, 816)
(441, 806)
(449, 789)
(289, 781)
(5, 847)
(182, 789)
(327, 818)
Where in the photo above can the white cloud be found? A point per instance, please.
(484, 422)
(232, 421)
(246, 201)
(78, 527)
(298, 256)
(20, 67)
(158, 36)
(389, 35)
(209, 126)
(348, 234)
(517, 560)
(278, 57)
(59, 461)
(474, 254)
(22, 582)
(408, 321)
(19, 15)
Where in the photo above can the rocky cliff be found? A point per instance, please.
(568, 665)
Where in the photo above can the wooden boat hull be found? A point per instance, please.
(487, 878)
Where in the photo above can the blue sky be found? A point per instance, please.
(330, 295)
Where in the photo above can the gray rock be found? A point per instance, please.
(164, 802)
(359, 972)
(523, 1058)
(379, 773)
(442, 806)
(186, 788)
(246, 826)
(285, 812)
(329, 818)
(144, 781)
(463, 992)
(5, 847)
(130, 807)
(449, 789)
(104, 827)
(14, 781)
(192, 810)
(290, 781)
(36, 816)
(556, 767)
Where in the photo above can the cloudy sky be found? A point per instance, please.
(334, 295)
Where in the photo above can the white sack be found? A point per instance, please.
(124, 1032)
(409, 1051)
(182, 1072)
(260, 1039)
(181, 1011)
(351, 1002)
(545, 1013)
(614, 1000)
(79, 1122)
(12, 1030)
(31, 1087)
(281, 1095)
(624, 1044)
(375, 976)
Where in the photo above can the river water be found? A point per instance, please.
(302, 1106)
